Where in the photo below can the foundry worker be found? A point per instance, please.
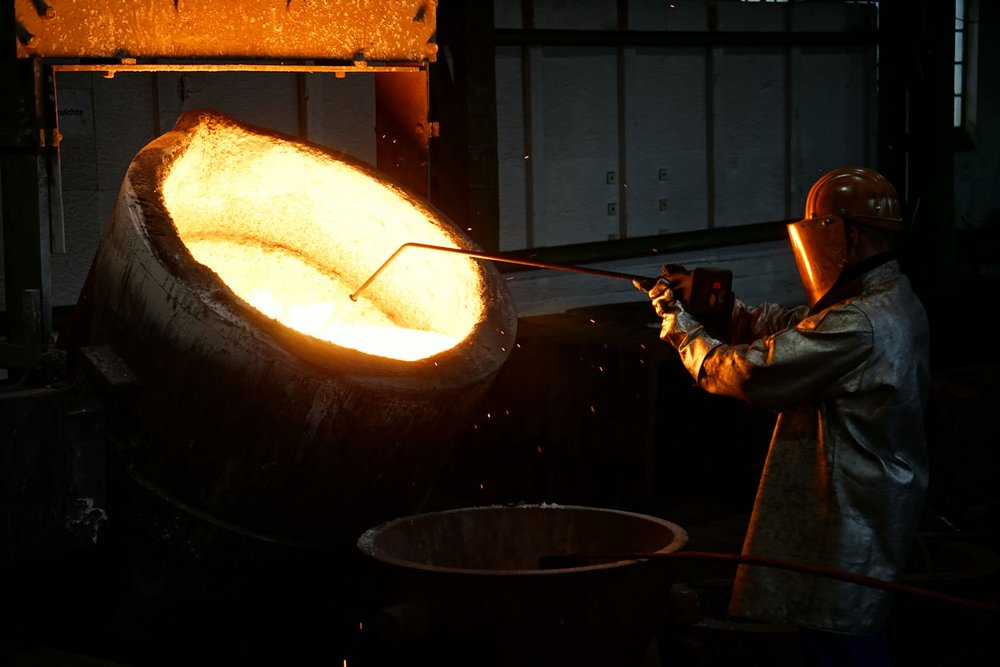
(845, 477)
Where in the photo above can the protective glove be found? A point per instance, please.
(687, 335)
(662, 297)
(680, 328)
(680, 281)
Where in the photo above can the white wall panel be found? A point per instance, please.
(746, 16)
(575, 15)
(85, 221)
(341, 113)
(665, 129)
(512, 157)
(123, 109)
(822, 16)
(76, 125)
(574, 126)
(829, 121)
(260, 98)
(507, 14)
(94, 156)
(750, 127)
(667, 15)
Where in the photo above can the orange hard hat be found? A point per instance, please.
(858, 195)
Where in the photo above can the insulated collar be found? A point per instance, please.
(849, 283)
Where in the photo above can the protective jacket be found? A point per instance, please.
(845, 477)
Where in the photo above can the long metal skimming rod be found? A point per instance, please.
(643, 282)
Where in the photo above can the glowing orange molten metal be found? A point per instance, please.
(293, 231)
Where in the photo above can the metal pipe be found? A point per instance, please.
(641, 282)
(555, 561)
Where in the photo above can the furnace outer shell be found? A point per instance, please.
(248, 424)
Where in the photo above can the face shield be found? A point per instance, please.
(857, 195)
(819, 247)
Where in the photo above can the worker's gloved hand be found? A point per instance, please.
(662, 296)
(679, 327)
(688, 336)
(679, 279)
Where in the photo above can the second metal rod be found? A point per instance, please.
(642, 282)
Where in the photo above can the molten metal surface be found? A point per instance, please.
(292, 231)
(355, 30)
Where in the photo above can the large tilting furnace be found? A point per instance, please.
(262, 401)
(267, 400)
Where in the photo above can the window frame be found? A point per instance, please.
(965, 93)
